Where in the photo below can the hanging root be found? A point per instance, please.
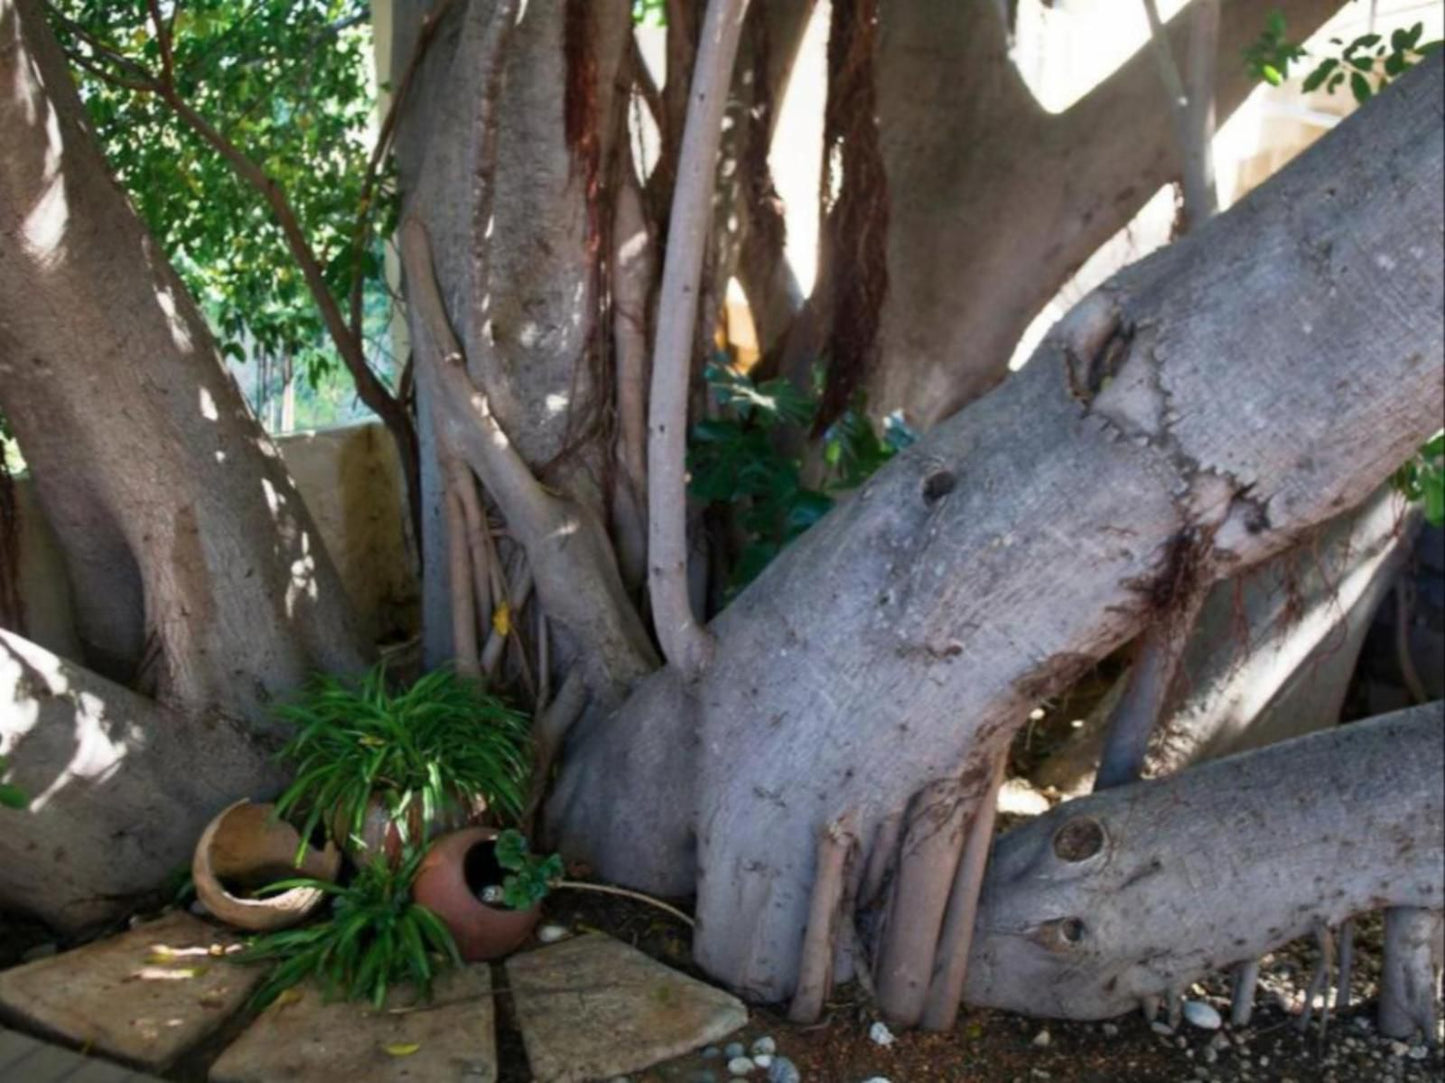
(1410, 980)
(930, 855)
(1347, 962)
(951, 966)
(815, 968)
(1241, 1003)
(1319, 983)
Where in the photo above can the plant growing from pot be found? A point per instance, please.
(373, 766)
(488, 886)
(377, 937)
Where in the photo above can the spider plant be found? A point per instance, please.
(443, 740)
(376, 938)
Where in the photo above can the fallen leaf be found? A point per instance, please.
(502, 619)
(288, 996)
(402, 1049)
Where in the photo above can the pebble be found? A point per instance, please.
(765, 1044)
(199, 909)
(712, 1052)
(705, 1077)
(1418, 1052)
(880, 1034)
(1110, 1030)
(734, 1050)
(740, 1066)
(550, 934)
(784, 1071)
(1042, 1039)
(1202, 1015)
(763, 1060)
(878, 1079)
(1161, 1028)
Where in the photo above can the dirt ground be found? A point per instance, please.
(999, 1047)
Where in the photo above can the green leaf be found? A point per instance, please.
(1360, 87)
(1272, 75)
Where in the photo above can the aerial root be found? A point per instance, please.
(815, 970)
(1319, 982)
(1241, 1004)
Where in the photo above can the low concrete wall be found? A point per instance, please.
(351, 481)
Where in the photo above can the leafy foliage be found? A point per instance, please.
(1368, 63)
(649, 12)
(375, 938)
(1423, 479)
(11, 796)
(442, 740)
(735, 461)
(287, 81)
(531, 875)
(1270, 55)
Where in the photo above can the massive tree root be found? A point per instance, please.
(119, 786)
(1135, 893)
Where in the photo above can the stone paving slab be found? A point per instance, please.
(25, 1060)
(144, 997)
(594, 1008)
(301, 1038)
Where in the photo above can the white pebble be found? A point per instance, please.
(763, 1060)
(1110, 1030)
(765, 1044)
(878, 1079)
(881, 1035)
(550, 934)
(1202, 1015)
(740, 1066)
(1043, 1038)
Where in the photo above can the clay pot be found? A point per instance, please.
(244, 849)
(379, 834)
(451, 878)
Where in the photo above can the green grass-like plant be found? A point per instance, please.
(376, 938)
(442, 740)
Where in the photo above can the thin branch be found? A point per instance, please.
(685, 643)
(163, 39)
(837, 844)
(464, 618)
(1193, 105)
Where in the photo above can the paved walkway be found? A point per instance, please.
(25, 1060)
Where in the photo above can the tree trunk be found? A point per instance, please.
(1140, 891)
(529, 328)
(120, 787)
(168, 499)
(1175, 398)
(994, 203)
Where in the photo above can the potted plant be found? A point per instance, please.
(376, 937)
(244, 849)
(487, 887)
(372, 765)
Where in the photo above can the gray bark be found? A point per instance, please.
(1410, 977)
(1272, 652)
(1140, 891)
(167, 498)
(1262, 376)
(120, 788)
(994, 203)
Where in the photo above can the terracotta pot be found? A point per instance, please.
(451, 878)
(244, 849)
(379, 834)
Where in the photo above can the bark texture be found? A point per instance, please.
(120, 787)
(934, 625)
(1140, 891)
(1272, 652)
(994, 202)
(197, 570)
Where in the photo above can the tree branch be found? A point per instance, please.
(684, 642)
(1193, 106)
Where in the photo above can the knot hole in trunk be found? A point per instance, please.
(1079, 839)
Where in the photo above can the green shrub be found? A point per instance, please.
(442, 740)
